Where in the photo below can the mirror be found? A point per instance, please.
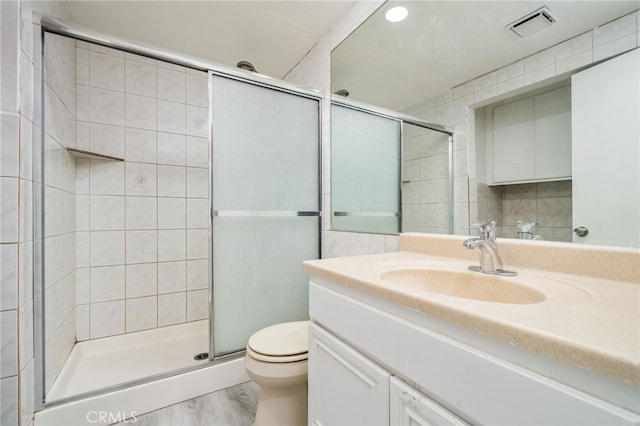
(451, 64)
(402, 164)
(366, 197)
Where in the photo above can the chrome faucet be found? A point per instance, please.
(490, 261)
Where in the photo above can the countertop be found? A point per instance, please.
(589, 320)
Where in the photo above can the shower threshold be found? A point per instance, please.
(95, 364)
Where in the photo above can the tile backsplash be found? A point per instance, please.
(547, 203)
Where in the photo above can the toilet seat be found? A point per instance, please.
(286, 342)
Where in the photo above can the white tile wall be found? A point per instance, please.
(19, 110)
(141, 112)
(146, 216)
(172, 277)
(8, 277)
(171, 85)
(9, 209)
(141, 313)
(60, 112)
(9, 131)
(107, 283)
(108, 107)
(172, 308)
(142, 279)
(107, 319)
(140, 78)
(171, 149)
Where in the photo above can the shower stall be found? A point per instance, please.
(176, 202)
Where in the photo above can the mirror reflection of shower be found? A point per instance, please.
(390, 173)
(427, 176)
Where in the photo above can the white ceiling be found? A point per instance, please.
(440, 45)
(273, 35)
(446, 43)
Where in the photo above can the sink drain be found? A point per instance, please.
(201, 356)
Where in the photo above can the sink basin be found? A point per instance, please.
(465, 285)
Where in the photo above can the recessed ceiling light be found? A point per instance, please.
(396, 14)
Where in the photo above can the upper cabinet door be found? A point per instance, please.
(552, 130)
(532, 138)
(606, 152)
(513, 141)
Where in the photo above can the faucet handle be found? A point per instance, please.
(487, 230)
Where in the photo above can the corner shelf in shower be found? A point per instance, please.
(81, 153)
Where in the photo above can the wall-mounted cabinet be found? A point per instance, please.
(606, 152)
(527, 139)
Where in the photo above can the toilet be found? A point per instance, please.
(276, 360)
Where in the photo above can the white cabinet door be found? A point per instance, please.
(408, 407)
(345, 388)
(552, 130)
(606, 151)
(532, 138)
(513, 141)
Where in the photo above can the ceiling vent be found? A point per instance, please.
(533, 22)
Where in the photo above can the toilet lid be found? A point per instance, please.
(289, 338)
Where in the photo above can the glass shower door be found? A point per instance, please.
(265, 207)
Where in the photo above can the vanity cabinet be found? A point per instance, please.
(349, 388)
(532, 138)
(374, 362)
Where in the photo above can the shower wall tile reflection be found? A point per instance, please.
(425, 181)
(143, 222)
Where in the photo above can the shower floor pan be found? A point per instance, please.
(109, 361)
(118, 359)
